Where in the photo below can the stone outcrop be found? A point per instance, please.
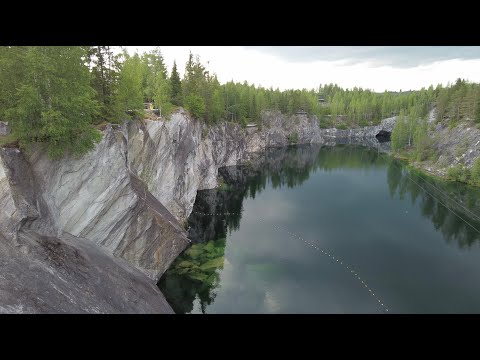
(67, 274)
(4, 128)
(453, 146)
(17, 193)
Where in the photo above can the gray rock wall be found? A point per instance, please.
(175, 158)
(67, 274)
(96, 197)
(4, 128)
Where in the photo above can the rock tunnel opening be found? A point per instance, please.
(383, 136)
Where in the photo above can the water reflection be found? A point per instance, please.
(192, 282)
(434, 196)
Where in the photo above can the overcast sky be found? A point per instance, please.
(378, 68)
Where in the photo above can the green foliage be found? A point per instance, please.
(399, 135)
(195, 105)
(202, 93)
(475, 173)
(53, 94)
(452, 123)
(154, 74)
(459, 173)
(458, 102)
(176, 86)
(454, 172)
(461, 148)
(130, 95)
(104, 69)
(477, 108)
(167, 109)
(423, 143)
(293, 138)
(411, 133)
(50, 98)
(8, 139)
(156, 85)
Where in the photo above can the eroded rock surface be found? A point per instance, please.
(96, 197)
(44, 274)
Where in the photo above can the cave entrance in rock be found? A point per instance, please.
(383, 136)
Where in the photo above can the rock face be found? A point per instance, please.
(63, 210)
(4, 128)
(98, 198)
(64, 273)
(176, 158)
(42, 274)
(17, 193)
(458, 145)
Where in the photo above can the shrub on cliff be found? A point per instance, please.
(293, 138)
(459, 173)
(475, 173)
(195, 105)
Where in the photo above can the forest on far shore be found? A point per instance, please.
(57, 95)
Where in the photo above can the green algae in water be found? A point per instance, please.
(195, 271)
(200, 261)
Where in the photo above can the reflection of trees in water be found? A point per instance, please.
(430, 198)
(193, 275)
(291, 167)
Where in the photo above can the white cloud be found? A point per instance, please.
(270, 70)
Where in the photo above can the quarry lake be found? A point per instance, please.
(342, 229)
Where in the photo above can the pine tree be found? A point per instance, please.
(53, 102)
(176, 86)
(104, 68)
(195, 87)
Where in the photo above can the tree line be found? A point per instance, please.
(455, 103)
(57, 95)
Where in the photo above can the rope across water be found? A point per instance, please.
(336, 259)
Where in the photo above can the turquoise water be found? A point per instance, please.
(339, 229)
